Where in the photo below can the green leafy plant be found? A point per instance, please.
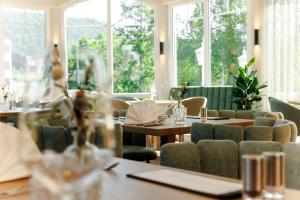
(246, 88)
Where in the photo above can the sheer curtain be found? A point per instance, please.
(283, 48)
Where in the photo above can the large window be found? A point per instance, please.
(209, 56)
(133, 46)
(85, 29)
(228, 39)
(132, 42)
(188, 37)
(24, 44)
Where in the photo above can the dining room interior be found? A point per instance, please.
(149, 99)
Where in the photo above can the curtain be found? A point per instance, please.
(283, 48)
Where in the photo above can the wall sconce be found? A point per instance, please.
(161, 48)
(256, 37)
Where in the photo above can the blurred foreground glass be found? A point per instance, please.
(275, 175)
(253, 176)
(73, 173)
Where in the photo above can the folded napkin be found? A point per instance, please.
(12, 144)
(142, 112)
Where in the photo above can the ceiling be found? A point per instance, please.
(59, 3)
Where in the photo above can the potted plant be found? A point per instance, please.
(246, 87)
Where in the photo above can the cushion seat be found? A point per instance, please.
(138, 153)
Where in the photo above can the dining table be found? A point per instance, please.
(117, 185)
(6, 113)
(166, 132)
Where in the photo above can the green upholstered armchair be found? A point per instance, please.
(290, 112)
(207, 156)
(58, 138)
(265, 129)
(134, 148)
(292, 151)
(217, 157)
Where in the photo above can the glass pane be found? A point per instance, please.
(189, 45)
(85, 28)
(24, 43)
(228, 39)
(133, 46)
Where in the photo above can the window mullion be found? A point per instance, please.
(109, 46)
(206, 70)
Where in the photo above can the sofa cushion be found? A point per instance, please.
(259, 133)
(228, 132)
(219, 157)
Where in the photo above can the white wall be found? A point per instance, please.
(162, 79)
(1, 48)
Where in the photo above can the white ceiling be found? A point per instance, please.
(59, 3)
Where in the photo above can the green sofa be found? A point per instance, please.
(222, 157)
(218, 98)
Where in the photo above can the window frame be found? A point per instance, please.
(110, 58)
(29, 7)
(206, 70)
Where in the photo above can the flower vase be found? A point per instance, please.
(179, 113)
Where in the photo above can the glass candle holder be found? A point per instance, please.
(203, 114)
(275, 175)
(253, 175)
(179, 113)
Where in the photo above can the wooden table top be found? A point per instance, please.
(17, 111)
(163, 102)
(169, 128)
(117, 186)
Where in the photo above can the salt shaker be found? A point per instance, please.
(253, 176)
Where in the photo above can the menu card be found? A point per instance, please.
(192, 182)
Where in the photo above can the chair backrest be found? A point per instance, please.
(202, 131)
(290, 112)
(219, 157)
(292, 152)
(183, 155)
(264, 121)
(244, 114)
(193, 104)
(119, 106)
(218, 97)
(229, 132)
(227, 113)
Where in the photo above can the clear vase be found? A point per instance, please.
(179, 113)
